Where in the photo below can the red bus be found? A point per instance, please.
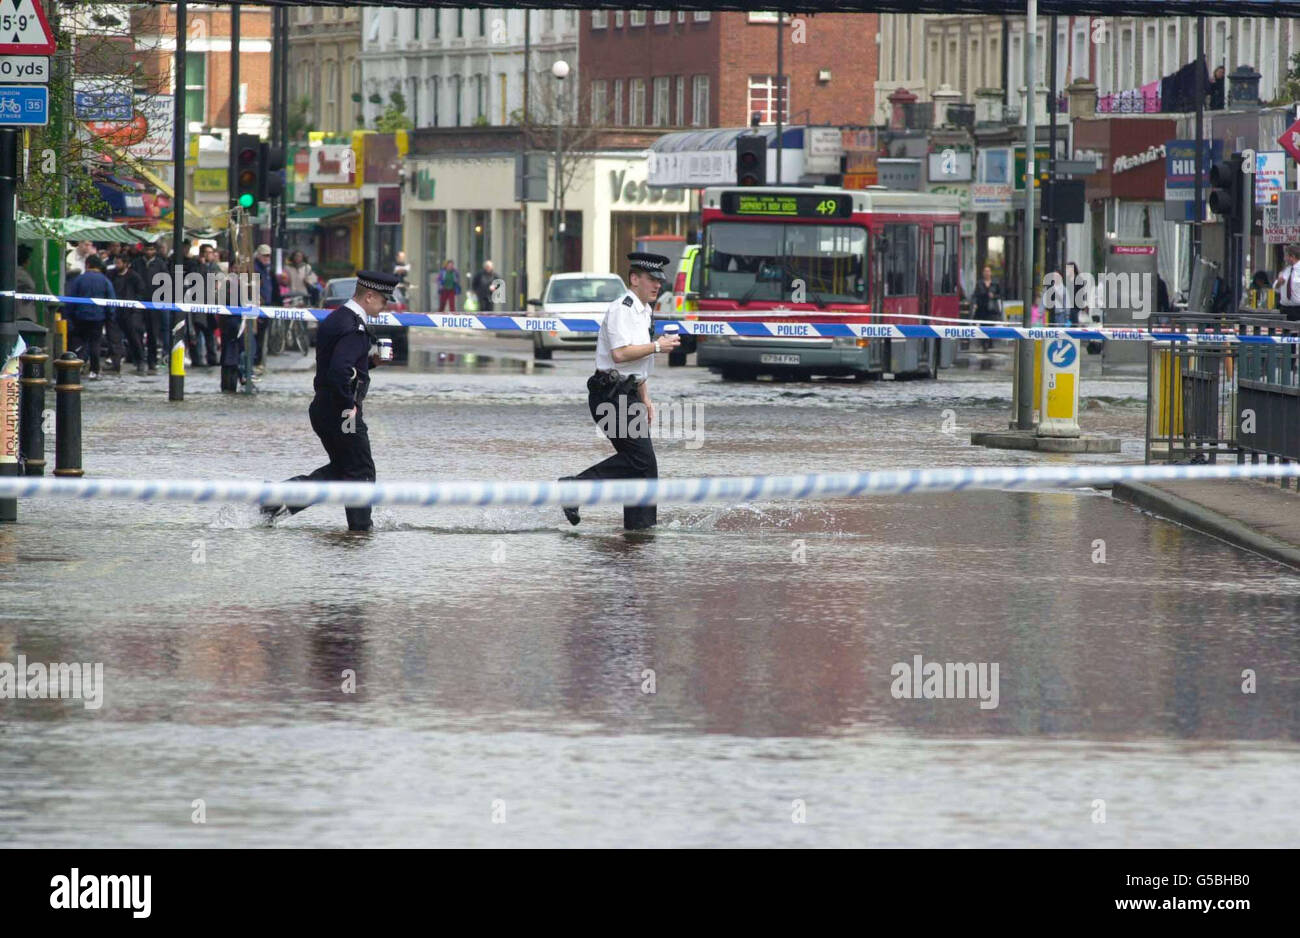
(824, 254)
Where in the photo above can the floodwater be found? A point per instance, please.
(726, 680)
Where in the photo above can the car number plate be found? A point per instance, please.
(779, 359)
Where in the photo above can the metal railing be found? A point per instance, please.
(1206, 401)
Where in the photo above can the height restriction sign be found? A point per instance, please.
(24, 29)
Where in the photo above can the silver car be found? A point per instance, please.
(574, 295)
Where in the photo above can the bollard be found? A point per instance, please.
(67, 415)
(176, 363)
(31, 420)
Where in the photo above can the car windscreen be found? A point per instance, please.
(346, 287)
(750, 261)
(589, 290)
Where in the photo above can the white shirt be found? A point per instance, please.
(1288, 293)
(625, 323)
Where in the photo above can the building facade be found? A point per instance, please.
(678, 69)
(463, 68)
(325, 69)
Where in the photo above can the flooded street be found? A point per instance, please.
(725, 680)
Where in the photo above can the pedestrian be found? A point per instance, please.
(1069, 301)
(1287, 284)
(1217, 90)
(448, 287)
(302, 279)
(75, 262)
(128, 285)
(88, 318)
(25, 309)
(482, 286)
(343, 362)
(986, 304)
(152, 267)
(401, 269)
(268, 289)
(618, 395)
(204, 352)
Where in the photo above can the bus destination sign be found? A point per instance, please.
(793, 205)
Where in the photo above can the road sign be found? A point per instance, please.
(28, 69)
(1290, 141)
(24, 29)
(1058, 404)
(24, 105)
(1061, 352)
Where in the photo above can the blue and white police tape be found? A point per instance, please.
(834, 326)
(624, 491)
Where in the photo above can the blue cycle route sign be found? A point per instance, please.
(1061, 352)
(24, 105)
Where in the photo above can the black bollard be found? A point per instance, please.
(31, 420)
(67, 415)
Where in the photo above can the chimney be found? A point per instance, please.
(1083, 98)
(943, 98)
(900, 105)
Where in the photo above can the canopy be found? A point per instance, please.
(78, 228)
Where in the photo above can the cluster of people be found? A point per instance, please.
(111, 336)
(449, 285)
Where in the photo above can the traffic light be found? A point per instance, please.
(270, 175)
(751, 160)
(247, 173)
(1227, 182)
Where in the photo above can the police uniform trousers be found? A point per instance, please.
(634, 456)
(349, 454)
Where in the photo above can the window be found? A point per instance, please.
(636, 103)
(702, 16)
(413, 101)
(660, 116)
(767, 17)
(196, 94)
(1150, 55)
(599, 19)
(460, 26)
(397, 23)
(679, 111)
(900, 258)
(764, 262)
(480, 97)
(618, 19)
(329, 115)
(503, 86)
(944, 275)
(437, 24)
(1079, 57)
(1171, 57)
(663, 17)
(764, 98)
(681, 16)
(456, 82)
(700, 100)
(599, 102)
(482, 22)
(1127, 76)
(417, 16)
(636, 18)
(435, 87)
(618, 102)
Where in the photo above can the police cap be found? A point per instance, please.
(379, 282)
(652, 264)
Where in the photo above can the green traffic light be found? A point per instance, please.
(246, 200)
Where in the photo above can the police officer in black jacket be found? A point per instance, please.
(343, 362)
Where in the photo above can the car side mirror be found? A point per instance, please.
(534, 302)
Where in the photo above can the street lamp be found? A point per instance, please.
(561, 71)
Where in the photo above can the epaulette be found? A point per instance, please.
(627, 301)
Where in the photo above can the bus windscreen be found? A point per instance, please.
(767, 262)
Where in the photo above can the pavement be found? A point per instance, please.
(1257, 516)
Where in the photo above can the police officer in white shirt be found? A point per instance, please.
(618, 394)
(1287, 284)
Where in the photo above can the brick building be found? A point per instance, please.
(659, 68)
(207, 63)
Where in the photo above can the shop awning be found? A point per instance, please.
(309, 215)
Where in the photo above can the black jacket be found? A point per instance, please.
(128, 283)
(342, 360)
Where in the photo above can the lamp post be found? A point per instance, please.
(561, 71)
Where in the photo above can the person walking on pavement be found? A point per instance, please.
(448, 287)
(88, 318)
(24, 309)
(269, 297)
(205, 324)
(343, 362)
(128, 285)
(618, 395)
(986, 303)
(1287, 285)
(153, 271)
(482, 286)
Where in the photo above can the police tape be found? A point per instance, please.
(625, 491)
(590, 322)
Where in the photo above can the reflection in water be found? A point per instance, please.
(500, 653)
